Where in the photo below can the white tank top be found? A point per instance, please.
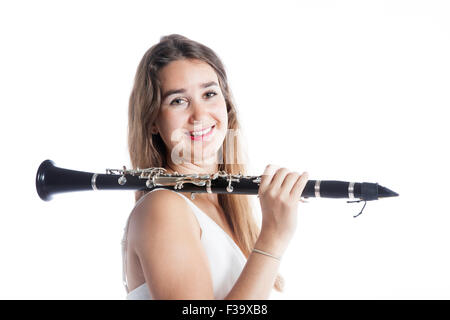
(226, 259)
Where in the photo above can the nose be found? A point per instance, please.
(199, 114)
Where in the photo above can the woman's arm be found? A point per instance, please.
(279, 194)
(165, 236)
(258, 276)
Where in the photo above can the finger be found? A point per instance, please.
(299, 185)
(266, 177)
(278, 177)
(289, 182)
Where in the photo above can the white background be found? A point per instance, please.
(346, 90)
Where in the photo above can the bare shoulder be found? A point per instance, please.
(158, 212)
(165, 237)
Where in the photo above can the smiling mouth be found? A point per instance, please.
(202, 134)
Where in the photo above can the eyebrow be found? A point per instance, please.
(203, 85)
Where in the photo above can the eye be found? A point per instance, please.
(177, 99)
(214, 94)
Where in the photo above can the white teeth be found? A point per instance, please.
(200, 133)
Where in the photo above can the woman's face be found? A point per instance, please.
(191, 101)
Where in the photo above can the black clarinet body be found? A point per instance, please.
(51, 180)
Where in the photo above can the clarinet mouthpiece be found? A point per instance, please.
(384, 192)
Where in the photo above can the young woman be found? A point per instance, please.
(210, 247)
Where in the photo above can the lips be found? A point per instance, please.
(206, 128)
(207, 133)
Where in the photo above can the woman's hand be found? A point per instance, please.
(279, 194)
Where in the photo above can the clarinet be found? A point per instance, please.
(51, 180)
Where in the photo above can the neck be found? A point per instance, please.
(205, 167)
(190, 168)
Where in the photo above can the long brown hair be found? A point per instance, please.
(148, 150)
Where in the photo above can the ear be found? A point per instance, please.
(154, 130)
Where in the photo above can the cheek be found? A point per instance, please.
(171, 120)
(222, 114)
(223, 117)
(170, 125)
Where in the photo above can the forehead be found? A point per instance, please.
(181, 73)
